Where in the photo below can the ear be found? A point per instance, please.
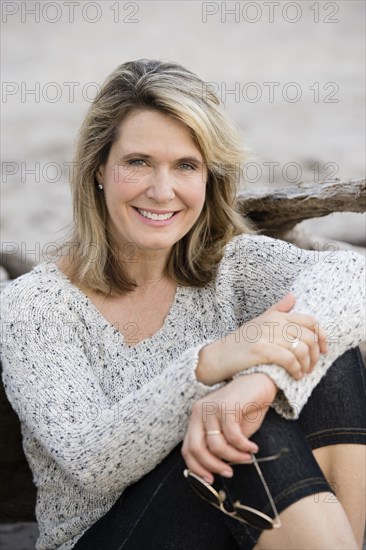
(99, 175)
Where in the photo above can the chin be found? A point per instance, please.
(156, 246)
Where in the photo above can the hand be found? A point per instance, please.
(273, 332)
(250, 397)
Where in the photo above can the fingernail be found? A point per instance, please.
(208, 479)
(247, 457)
(227, 473)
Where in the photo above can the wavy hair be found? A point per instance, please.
(173, 90)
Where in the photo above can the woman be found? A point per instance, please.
(167, 318)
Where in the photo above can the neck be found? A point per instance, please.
(148, 270)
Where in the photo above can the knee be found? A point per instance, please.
(343, 466)
(311, 523)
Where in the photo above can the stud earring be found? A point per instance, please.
(100, 186)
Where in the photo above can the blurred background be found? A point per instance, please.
(290, 74)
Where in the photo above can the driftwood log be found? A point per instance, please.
(274, 211)
(277, 211)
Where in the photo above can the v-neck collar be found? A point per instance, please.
(142, 344)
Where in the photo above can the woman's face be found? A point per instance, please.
(154, 181)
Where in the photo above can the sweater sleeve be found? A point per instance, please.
(59, 400)
(330, 285)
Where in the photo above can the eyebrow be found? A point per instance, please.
(149, 157)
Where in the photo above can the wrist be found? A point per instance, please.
(269, 384)
(269, 387)
(207, 370)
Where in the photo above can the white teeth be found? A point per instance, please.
(153, 216)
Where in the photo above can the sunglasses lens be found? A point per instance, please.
(202, 490)
(249, 515)
(253, 519)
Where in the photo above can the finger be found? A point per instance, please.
(276, 353)
(235, 438)
(311, 323)
(222, 448)
(308, 353)
(202, 456)
(195, 450)
(194, 466)
(193, 463)
(302, 354)
(285, 304)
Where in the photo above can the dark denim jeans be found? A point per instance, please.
(162, 512)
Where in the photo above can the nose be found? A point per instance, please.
(160, 187)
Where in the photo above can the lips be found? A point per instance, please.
(157, 217)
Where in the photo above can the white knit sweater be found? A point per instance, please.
(97, 414)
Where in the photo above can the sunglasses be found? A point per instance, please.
(244, 514)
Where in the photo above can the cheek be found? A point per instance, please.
(195, 195)
(201, 197)
(120, 189)
(119, 176)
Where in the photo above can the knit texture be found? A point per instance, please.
(98, 414)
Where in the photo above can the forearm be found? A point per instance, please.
(208, 369)
(335, 295)
(215, 365)
(71, 416)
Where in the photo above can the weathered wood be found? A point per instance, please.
(17, 493)
(274, 210)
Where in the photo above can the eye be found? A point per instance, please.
(133, 161)
(190, 166)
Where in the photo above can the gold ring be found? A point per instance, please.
(213, 432)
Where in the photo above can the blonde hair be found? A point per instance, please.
(175, 91)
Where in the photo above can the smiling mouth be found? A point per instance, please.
(154, 216)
